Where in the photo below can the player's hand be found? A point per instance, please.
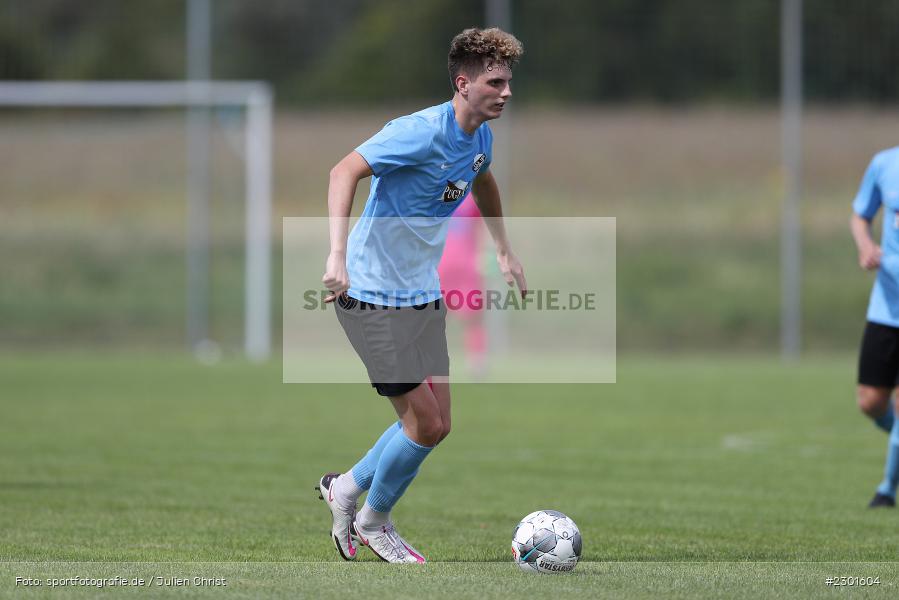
(869, 257)
(512, 271)
(336, 279)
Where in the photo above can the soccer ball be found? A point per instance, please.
(546, 541)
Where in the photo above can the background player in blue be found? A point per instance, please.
(423, 165)
(878, 370)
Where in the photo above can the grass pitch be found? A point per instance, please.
(687, 478)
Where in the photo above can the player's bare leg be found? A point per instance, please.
(875, 403)
(422, 429)
(441, 389)
(420, 413)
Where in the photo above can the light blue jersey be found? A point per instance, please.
(423, 166)
(880, 186)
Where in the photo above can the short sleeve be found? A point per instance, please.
(403, 142)
(868, 199)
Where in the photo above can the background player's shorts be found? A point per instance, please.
(400, 347)
(878, 362)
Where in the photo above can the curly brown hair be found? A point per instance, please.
(473, 49)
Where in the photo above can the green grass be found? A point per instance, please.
(699, 477)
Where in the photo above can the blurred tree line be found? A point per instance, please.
(339, 52)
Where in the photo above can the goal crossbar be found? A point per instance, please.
(256, 97)
(132, 93)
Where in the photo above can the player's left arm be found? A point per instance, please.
(486, 196)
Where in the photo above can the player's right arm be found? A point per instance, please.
(486, 196)
(864, 207)
(869, 251)
(345, 176)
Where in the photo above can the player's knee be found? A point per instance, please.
(865, 405)
(446, 430)
(871, 402)
(429, 431)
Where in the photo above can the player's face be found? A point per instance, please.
(488, 94)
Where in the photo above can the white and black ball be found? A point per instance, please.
(546, 541)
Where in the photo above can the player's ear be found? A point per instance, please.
(462, 84)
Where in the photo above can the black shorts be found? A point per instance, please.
(400, 347)
(878, 361)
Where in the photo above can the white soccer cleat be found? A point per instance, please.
(387, 544)
(341, 519)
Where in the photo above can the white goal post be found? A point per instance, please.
(256, 98)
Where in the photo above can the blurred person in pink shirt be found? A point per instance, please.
(462, 281)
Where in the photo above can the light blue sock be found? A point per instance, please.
(886, 421)
(891, 469)
(364, 470)
(397, 468)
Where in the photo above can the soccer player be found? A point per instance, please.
(878, 367)
(384, 279)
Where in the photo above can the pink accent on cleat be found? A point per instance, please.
(420, 559)
(349, 543)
